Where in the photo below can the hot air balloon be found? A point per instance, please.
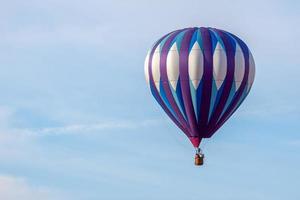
(199, 76)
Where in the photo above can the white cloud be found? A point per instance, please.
(89, 128)
(294, 143)
(15, 188)
(6, 114)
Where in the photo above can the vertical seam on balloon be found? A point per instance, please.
(193, 90)
(207, 81)
(155, 91)
(185, 86)
(234, 104)
(165, 82)
(231, 96)
(227, 81)
(178, 93)
(216, 93)
(199, 40)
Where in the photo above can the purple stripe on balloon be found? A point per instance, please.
(233, 106)
(230, 54)
(207, 81)
(165, 81)
(155, 92)
(184, 82)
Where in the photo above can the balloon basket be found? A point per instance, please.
(199, 159)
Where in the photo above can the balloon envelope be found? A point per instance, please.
(199, 76)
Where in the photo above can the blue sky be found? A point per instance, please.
(77, 121)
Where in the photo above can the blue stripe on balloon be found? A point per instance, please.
(213, 96)
(161, 44)
(216, 95)
(214, 40)
(165, 99)
(194, 99)
(229, 100)
(240, 101)
(177, 100)
(231, 40)
(199, 39)
(153, 91)
(193, 40)
(178, 39)
(199, 99)
(217, 36)
(220, 91)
